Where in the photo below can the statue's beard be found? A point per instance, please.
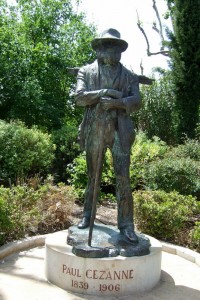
(108, 60)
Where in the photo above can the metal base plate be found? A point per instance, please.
(106, 242)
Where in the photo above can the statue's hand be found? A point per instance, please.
(110, 93)
(109, 103)
(114, 94)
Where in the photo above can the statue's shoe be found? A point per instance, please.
(130, 234)
(84, 223)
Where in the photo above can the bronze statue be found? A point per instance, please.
(110, 93)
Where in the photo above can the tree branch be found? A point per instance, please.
(144, 34)
(160, 31)
(149, 53)
(141, 68)
(163, 52)
(154, 27)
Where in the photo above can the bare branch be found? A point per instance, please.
(144, 34)
(141, 67)
(162, 52)
(160, 31)
(149, 53)
(154, 27)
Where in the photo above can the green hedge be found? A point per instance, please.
(143, 152)
(23, 152)
(195, 236)
(34, 209)
(67, 149)
(157, 116)
(6, 224)
(181, 175)
(178, 170)
(78, 176)
(190, 149)
(166, 216)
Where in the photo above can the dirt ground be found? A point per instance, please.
(106, 213)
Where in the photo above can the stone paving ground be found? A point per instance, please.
(22, 278)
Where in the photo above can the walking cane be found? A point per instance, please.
(97, 177)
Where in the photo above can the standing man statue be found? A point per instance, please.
(110, 93)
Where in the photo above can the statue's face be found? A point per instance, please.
(109, 54)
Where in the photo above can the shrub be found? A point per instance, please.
(190, 149)
(157, 116)
(23, 152)
(168, 174)
(5, 219)
(143, 152)
(198, 131)
(30, 209)
(55, 206)
(67, 149)
(166, 216)
(195, 236)
(178, 170)
(20, 202)
(78, 175)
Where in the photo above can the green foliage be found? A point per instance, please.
(143, 152)
(66, 150)
(157, 117)
(23, 152)
(108, 177)
(34, 208)
(190, 149)
(165, 216)
(195, 236)
(197, 131)
(20, 203)
(78, 175)
(185, 56)
(5, 219)
(179, 170)
(38, 41)
(179, 174)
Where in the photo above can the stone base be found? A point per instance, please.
(110, 276)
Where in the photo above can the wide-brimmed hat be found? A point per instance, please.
(109, 35)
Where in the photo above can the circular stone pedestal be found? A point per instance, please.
(111, 276)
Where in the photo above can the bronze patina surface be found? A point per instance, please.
(109, 92)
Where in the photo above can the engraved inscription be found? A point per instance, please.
(109, 287)
(80, 284)
(71, 271)
(102, 275)
(109, 275)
